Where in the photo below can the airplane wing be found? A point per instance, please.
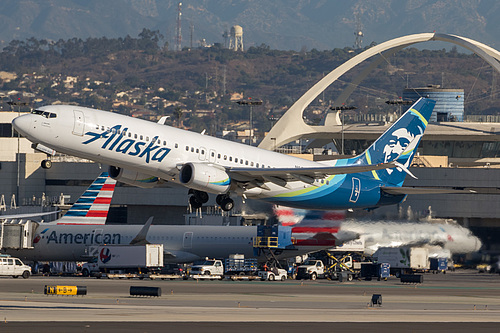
(440, 190)
(281, 176)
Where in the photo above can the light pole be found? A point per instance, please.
(18, 180)
(342, 108)
(250, 102)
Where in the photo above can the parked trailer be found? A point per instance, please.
(125, 259)
(236, 264)
(403, 260)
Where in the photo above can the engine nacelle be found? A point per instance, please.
(205, 177)
(132, 177)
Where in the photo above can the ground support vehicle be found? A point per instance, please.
(125, 259)
(14, 267)
(272, 241)
(342, 266)
(380, 271)
(275, 274)
(236, 264)
(403, 260)
(208, 269)
(438, 265)
(311, 269)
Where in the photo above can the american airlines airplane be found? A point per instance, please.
(144, 154)
(82, 229)
(442, 238)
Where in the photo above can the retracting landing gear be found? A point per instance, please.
(198, 198)
(46, 164)
(225, 202)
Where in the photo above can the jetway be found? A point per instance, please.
(17, 234)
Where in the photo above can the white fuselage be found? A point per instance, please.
(127, 143)
(181, 243)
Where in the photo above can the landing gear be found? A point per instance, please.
(47, 164)
(195, 204)
(198, 198)
(225, 202)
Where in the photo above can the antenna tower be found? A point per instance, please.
(178, 38)
(358, 33)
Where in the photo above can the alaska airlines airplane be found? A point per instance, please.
(144, 154)
(76, 235)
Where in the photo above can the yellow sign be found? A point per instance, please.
(61, 290)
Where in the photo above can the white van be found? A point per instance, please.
(14, 267)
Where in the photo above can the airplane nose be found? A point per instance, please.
(22, 124)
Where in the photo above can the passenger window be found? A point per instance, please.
(257, 165)
(129, 134)
(235, 160)
(164, 143)
(102, 128)
(192, 149)
(246, 162)
(142, 138)
(203, 151)
(52, 115)
(251, 163)
(230, 158)
(213, 154)
(187, 148)
(197, 151)
(176, 145)
(135, 136)
(218, 156)
(225, 157)
(97, 127)
(241, 161)
(147, 138)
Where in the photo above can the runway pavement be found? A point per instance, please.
(443, 300)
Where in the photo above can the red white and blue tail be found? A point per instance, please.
(93, 205)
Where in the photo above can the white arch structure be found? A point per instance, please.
(291, 125)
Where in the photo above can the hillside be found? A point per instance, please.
(281, 24)
(136, 74)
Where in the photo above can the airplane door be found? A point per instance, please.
(79, 123)
(356, 189)
(211, 156)
(187, 242)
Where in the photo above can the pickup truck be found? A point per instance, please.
(311, 269)
(209, 267)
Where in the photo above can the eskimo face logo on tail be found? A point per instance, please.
(402, 141)
(117, 140)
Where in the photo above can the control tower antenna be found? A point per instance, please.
(178, 35)
(358, 33)
(191, 31)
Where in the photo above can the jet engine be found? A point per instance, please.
(205, 177)
(132, 177)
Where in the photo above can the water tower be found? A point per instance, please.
(236, 38)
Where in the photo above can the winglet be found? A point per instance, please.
(140, 239)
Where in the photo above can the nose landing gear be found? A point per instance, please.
(46, 164)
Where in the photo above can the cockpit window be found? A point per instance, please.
(44, 113)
